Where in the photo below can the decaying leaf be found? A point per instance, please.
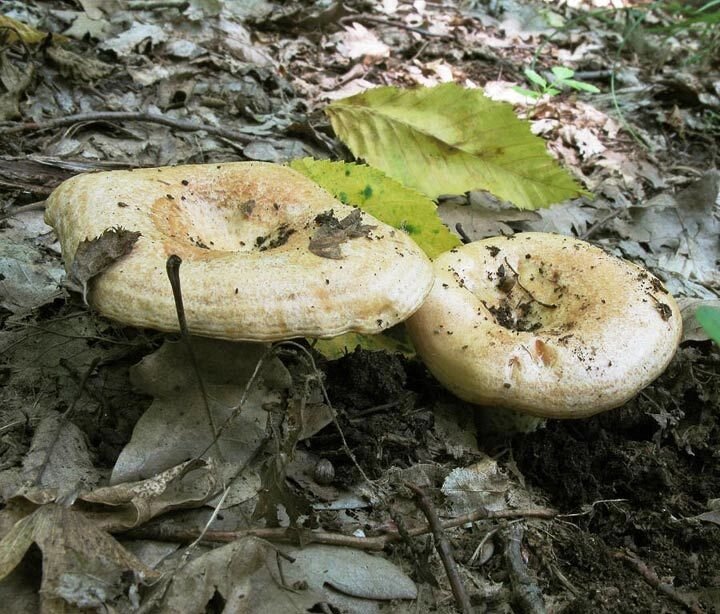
(176, 425)
(481, 215)
(225, 571)
(692, 328)
(448, 140)
(16, 30)
(130, 504)
(27, 278)
(93, 256)
(58, 456)
(331, 233)
(81, 565)
(682, 231)
(481, 485)
(78, 67)
(384, 198)
(347, 577)
(14, 81)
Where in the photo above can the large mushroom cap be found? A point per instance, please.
(544, 324)
(243, 231)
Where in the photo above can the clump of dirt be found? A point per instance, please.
(377, 413)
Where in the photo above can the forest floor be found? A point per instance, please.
(614, 513)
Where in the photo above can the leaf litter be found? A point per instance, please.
(643, 480)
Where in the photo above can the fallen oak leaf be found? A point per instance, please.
(81, 564)
(93, 256)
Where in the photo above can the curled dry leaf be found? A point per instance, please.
(331, 233)
(93, 256)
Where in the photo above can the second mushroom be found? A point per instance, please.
(545, 325)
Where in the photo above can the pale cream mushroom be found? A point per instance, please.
(267, 254)
(544, 324)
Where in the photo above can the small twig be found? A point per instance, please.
(526, 591)
(151, 5)
(326, 398)
(235, 411)
(599, 224)
(364, 413)
(173, 272)
(462, 600)
(205, 529)
(338, 539)
(38, 205)
(524, 289)
(653, 580)
(392, 24)
(463, 235)
(120, 116)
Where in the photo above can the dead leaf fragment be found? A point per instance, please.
(225, 571)
(681, 230)
(81, 565)
(78, 67)
(58, 457)
(358, 42)
(176, 426)
(692, 330)
(331, 233)
(93, 256)
(14, 82)
(130, 504)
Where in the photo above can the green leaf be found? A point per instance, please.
(580, 85)
(448, 140)
(526, 92)
(535, 78)
(709, 319)
(562, 73)
(383, 198)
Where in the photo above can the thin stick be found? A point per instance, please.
(338, 539)
(652, 579)
(392, 24)
(524, 586)
(124, 116)
(463, 235)
(173, 272)
(462, 600)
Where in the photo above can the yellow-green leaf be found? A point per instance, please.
(383, 198)
(16, 30)
(393, 340)
(448, 140)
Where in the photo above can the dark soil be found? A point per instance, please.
(628, 483)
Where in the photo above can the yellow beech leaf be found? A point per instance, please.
(449, 140)
(383, 198)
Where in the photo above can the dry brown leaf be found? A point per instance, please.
(81, 565)
(331, 233)
(93, 256)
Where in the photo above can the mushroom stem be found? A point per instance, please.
(173, 272)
